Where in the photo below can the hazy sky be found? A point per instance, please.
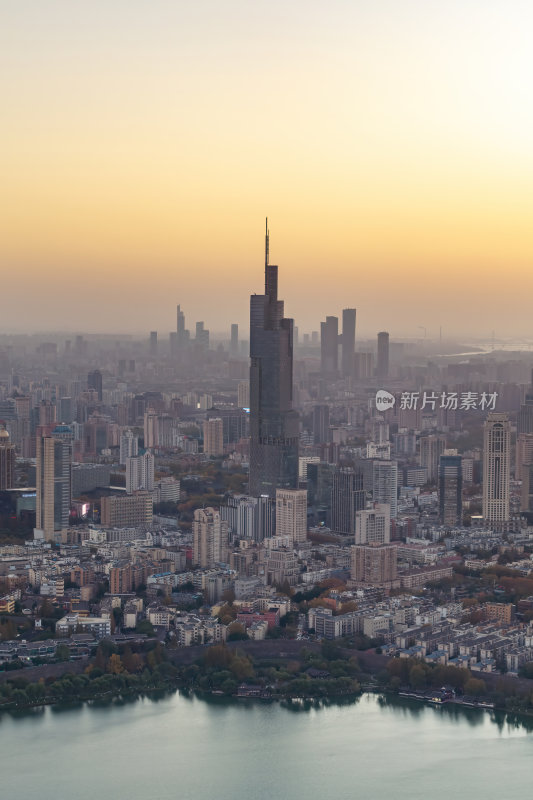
(390, 143)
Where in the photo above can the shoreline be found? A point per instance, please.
(292, 702)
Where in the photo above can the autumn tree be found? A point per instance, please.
(114, 665)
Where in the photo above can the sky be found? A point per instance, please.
(388, 141)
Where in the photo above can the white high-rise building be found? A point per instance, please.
(129, 446)
(140, 473)
(496, 468)
(372, 525)
(291, 514)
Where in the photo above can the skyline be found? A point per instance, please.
(389, 146)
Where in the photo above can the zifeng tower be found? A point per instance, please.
(274, 427)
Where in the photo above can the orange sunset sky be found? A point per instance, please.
(390, 143)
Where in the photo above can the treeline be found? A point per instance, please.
(113, 671)
(505, 692)
(223, 670)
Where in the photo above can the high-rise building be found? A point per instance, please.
(47, 413)
(140, 473)
(496, 468)
(151, 428)
(234, 340)
(202, 336)
(451, 488)
(432, 447)
(526, 500)
(382, 368)
(321, 431)
(214, 437)
(524, 420)
(329, 347)
(385, 484)
(129, 446)
(274, 428)
(348, 342)
(243, 394)
(291, 514)
(374, 564)
(363, 366)
(210, 537)
(347, 498)
(183, 335)
(7, 462)
(250, 517)
(524, 453)
(53, 486)
(372, 525)
(153, 344)
(94, 382)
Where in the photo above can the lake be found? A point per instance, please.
(192, 749)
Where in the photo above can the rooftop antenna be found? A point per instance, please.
(267, 243)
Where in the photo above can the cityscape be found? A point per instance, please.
(266, 402)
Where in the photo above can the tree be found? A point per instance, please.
(417, 676)
(218, 656)
(241, 667)
(236, 632)
(62, 652)
(132, 661)
(475, 687)
(114, 665)
(145, 626)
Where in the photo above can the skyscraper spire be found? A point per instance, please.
(267, 244)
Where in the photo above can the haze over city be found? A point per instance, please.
(389, 143)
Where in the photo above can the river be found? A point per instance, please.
(192, 749)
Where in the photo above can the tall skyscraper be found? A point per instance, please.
(385, 484)
(94, 382)
(182, 334)
(234, 341)
(7, 461)
(382, 368)
(129, 446)
(153, 344)
(496, 468)
(451, 488)
(524, 421)
(53, 486)
(274, 428)
(329, 347)
(347, 498)
(348, 342)
(291, 514)
(321, 432)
